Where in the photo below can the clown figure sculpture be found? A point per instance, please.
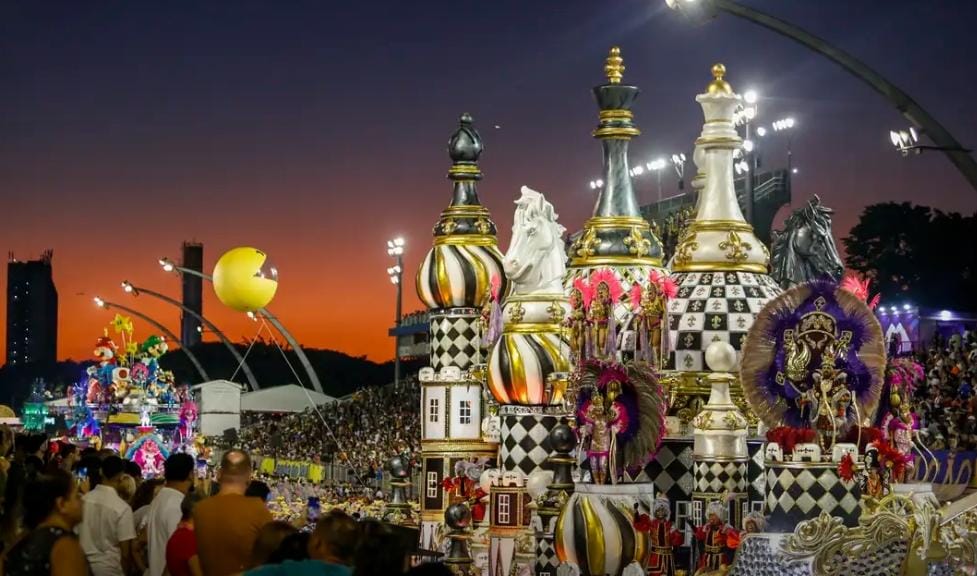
(662, 538)
(719, 541)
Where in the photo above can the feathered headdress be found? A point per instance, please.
(642, 400)
(586, 291)
(765, 352)
(606, 276)
(859, 288)
(666, 286)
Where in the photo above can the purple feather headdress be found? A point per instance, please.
(770, 394)
(643, 402)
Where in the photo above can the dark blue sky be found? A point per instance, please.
(315, 130)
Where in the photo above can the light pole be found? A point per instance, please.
(105, 305)
(395, 248)
(170, 266)
(678, 162)
(136, 291)
(743, 117)
(958, 155)
(786, 125)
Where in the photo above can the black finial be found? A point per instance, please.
(465, 145)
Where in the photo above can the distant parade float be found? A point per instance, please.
(127, 402)
(649, 418)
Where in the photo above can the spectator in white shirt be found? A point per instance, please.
(107, 531)
(164, 513)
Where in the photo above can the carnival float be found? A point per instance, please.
(592, 410)
(127, 402)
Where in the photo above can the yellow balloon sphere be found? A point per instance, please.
(244, 279)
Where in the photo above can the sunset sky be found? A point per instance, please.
(316, 130)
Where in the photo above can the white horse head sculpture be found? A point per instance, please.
(536, 259)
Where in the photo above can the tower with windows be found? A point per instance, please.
(455, 282)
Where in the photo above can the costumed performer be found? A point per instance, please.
(719, 541)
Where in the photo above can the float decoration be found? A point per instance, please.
(622, 410)
(35, 409)
(244, 279)
(814, 358)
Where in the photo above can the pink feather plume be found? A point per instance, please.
(496, 283)
(859, 288)
(666, 286)
(606, 276)
(635, 296)
(586, 292)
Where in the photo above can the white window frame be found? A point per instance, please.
(465, 412)
(682, 510)
(433, 410)
(432, 484)
(505, 515)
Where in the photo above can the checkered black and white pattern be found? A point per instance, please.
(757, 488)
(546, 559)
(671, 470)
(713, 307)
(718, 477)
(799, 493)
(454, 338)
(526, 441)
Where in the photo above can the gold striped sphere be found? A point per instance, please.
(459, 275)
(596, 532)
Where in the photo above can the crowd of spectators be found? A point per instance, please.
(361, 432)
(945, 402)
(67, 512)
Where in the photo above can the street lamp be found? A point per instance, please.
(743, 117)
(678, 162)
(105, 305)
(905, 140)
(169, 266)
(395, 249)
(785, 125)
(129, 288)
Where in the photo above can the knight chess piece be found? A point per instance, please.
(805, 249)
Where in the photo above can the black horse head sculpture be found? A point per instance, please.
(805, 250)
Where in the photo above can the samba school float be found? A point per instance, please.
(592, 410)
(127, 402)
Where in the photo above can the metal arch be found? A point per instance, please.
(264, 312)
(313, 378)
(227, 343)
(169, 334)
(906, 106)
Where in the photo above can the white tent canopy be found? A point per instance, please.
(287, 398)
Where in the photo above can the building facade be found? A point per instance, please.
(32, 311)
(193, 298)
